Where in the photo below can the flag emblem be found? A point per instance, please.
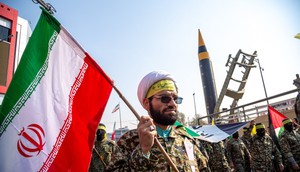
(32, 140)
(57, 90)
(116, 108)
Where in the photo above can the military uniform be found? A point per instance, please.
(128, 156)
(246, 138)
(290, 147)
(263, 149)
(218, 161)
(201, 146)
(101, 155)
(246, 141)
(238, 154)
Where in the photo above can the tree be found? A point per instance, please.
(181, 118)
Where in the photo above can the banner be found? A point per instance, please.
(53, 105)
(214, 133)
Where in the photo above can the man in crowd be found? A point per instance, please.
(218, 161)
(102, 150)
(263, 149)
(290, 146)
(158, 94)
(246, 137)
(238, 154)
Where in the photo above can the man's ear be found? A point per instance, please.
(146, 104)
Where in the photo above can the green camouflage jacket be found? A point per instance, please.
(263, 150)
(218, 161)
(238, 154)
(102, 155)
(290, 145)
(246, 139)
(237, 151)
(128, 155)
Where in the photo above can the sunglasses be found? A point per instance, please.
(167, 99)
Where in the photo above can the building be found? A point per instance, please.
(14, 35)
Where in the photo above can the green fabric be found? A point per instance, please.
(31, 68)
(189, 131)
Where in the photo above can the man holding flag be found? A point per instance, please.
(158, 94)
(290, 145)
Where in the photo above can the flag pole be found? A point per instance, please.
(120, 118)
(47, 6)
(156, 142)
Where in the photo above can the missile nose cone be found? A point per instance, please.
(202, 51)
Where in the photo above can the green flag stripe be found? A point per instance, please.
(32, 67)
(189, 131)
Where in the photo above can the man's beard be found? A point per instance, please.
(161, 118)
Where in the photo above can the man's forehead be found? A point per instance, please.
(167, 92)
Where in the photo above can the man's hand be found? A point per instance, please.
(281, 167)
(296, 166)
(147, 132)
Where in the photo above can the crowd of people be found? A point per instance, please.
(157, 145)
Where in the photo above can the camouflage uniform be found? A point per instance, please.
(128, 156)
(238, 154)
(201, 146)
(217, 157)
(102, 155)
(246, 138)
(290, 147)
(263, 149)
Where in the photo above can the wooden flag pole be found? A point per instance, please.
(156, 142)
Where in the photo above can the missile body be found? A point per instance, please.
(208, 82)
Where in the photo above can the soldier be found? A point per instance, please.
(201, 145)
(238, 154)
(290, 146)
(158, 94)
(218, 161)
(263, 149)
(102, 150)
(246, 137)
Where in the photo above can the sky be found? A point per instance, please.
(129, 39)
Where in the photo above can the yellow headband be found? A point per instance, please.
(260, 126)
(161, 86)
(101, 127)
(245, 130)
(287, 121)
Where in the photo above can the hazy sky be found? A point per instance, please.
(129, 39)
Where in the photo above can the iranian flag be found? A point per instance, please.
(276, 119)
(53, 105)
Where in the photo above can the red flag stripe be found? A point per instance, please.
(75, 151)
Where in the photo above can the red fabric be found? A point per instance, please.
(113, 135)
(88, 106)
(276, 117)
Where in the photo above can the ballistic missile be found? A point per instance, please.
(208, 81)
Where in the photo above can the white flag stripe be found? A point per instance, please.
(50, 109)
(211, 133)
